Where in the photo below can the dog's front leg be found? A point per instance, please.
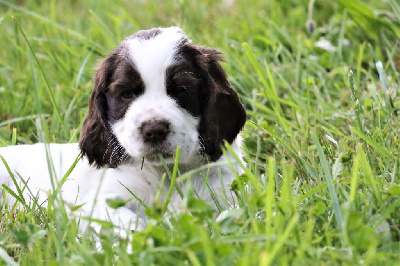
(123, 219)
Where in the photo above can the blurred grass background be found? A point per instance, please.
(321, 147)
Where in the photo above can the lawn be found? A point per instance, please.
(322, 182)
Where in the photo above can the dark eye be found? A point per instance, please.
(127, 94)
(180, 89)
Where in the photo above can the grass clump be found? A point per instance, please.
(322, 147)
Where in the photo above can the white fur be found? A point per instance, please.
(92, 187)
(148, 107)
(152, 57)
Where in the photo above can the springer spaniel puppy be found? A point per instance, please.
(155, 91)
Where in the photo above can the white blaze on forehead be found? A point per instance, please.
(152, 57)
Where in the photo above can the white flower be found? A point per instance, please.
(326, 45)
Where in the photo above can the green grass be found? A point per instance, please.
(322, 140)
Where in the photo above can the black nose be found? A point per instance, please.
(154, 131)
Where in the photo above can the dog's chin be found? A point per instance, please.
(155, 156)
(165, 154)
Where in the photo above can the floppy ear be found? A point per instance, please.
(223, 115)
(96, 141)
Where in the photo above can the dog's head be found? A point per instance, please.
(158, 90)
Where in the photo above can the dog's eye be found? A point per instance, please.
(180, 89)
(127, 94)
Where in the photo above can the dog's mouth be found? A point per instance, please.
(155, 155)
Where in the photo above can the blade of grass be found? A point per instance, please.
(269, 87)
(283, 143)
(281, 239)
(253, 180)
(82, 68)
(384, 214)
(160, 187)
(192, 257)
(199, 170)
(366, 168)
(269, 202)
(385, 85)
(136, 197)
(49, 90)
(34, 81)
(6, 258)
(214, 198)
(14, 136)
(320, 188)
(359, 67)
(66, 175)
(328, 179)
(207, 247)
(20, 196)
(23, 118)
(173, 178)
(106, 32)
(354, 98)
(354, 176)
(170, 175)
(56, 25)
(383, 151)
(257, 68)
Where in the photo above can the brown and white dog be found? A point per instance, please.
(155, 91)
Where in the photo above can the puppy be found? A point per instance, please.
(155, 91)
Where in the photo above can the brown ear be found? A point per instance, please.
(224, 115)
(97, 142)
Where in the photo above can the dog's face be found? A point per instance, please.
(157, 90)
